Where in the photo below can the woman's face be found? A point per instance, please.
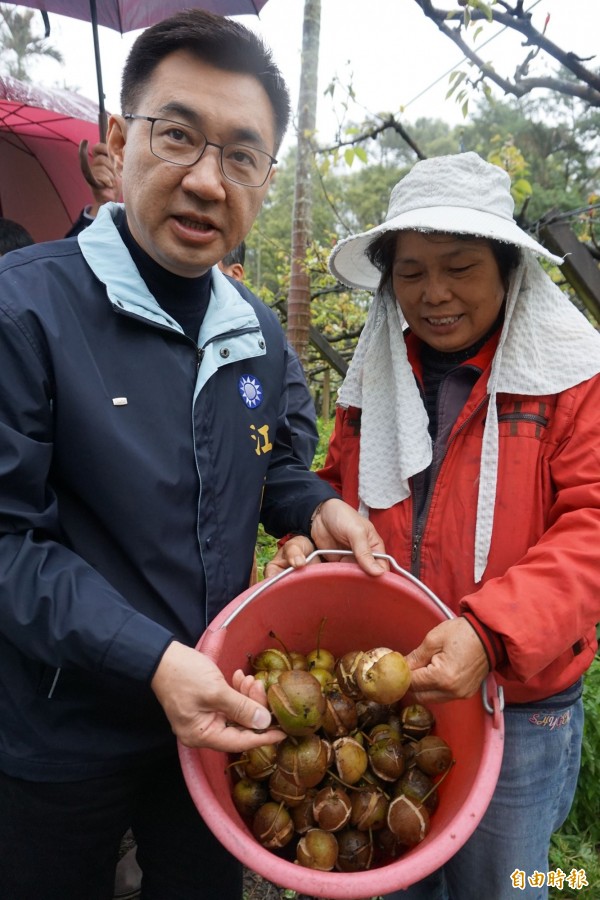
(450, 291)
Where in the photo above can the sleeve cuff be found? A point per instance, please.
(491, 641)
(138, 648)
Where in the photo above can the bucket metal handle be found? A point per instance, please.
(492, 704)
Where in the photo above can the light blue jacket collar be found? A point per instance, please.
(230, 330)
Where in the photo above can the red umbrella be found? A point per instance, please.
(129, 15)
(40, 179)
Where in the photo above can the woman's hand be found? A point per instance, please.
(450, 663)
(336, 525)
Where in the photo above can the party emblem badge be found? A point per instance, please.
(250, 390)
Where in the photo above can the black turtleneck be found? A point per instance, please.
(436, 365)
(184, 299)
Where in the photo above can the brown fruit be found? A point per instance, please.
(332, 808)
(297, 702)
(355, 852)
(350, 759)
(371, 713)
(317, 849)
(417, 721)
(302, 815)
(259, 762)
(383, 732)
(419, 787)
(340, 715)
(248, 796)
(272, 826)
(298, 660)
(383, 675)
(345, 673)
(283, 789)
(389, 845)
(369, 809)
(432, 755)
(304, 760)
(408, 820)
(386, 758)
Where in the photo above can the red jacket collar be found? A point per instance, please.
(481, 360)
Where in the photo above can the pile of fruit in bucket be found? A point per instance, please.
(356, 781)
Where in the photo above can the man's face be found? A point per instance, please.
(188, 217)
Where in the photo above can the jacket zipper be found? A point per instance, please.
(524, 417)
(251, 329)
(200, 353)
(420, 522)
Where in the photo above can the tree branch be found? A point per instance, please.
(588, 88)
(372, 133)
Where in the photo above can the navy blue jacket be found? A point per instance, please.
(134, 465)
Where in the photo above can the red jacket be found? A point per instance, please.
(537, 604)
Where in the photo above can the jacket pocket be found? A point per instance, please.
(524, 418)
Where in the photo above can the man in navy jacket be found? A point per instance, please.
(142, 434)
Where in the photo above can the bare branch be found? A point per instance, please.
(372, 133)
(588, 86)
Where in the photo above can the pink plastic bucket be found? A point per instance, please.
(362, 612)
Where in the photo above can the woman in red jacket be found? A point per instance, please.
(468, 431)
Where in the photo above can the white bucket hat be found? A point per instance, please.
(459, 194)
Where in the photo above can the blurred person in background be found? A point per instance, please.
(13, 236)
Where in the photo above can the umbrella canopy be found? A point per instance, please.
(129, 15)
(41, 186)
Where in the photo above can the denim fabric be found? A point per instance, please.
(61, 841)
(532, 799)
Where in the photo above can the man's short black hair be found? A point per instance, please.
(13, 236)
(218, 41)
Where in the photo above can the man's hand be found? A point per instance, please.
(338, 526)
(203, 710)
(450, 663)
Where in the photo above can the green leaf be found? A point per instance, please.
(349, 156)
(523, 187)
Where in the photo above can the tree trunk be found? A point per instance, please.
(298, 322)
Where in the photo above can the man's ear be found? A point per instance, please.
(116, 138)
(236, 271)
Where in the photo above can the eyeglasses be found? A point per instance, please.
(183, 145)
